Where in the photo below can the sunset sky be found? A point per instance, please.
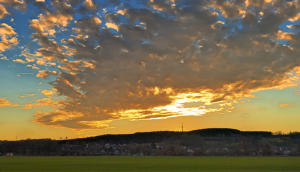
(78, 68)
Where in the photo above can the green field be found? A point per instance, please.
(115, 163)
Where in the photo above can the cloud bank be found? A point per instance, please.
(159, 58)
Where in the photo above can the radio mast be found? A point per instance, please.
(182, 127)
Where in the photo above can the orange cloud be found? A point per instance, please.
(285, 105)
(62, 118)
(43, 103)
(89, 4)
(96, 20)
(6, 103)
(112, 26)
(3, 11)
(46, 23)
(284, 35)
(8, 37)
(48, 92)
(295, 18)
(28, 95)
(45, 74)
(122, 12)
(19, 61)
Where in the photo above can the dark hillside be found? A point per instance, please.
(149, 137)
(203, 142)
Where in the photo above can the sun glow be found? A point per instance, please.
(183, 104)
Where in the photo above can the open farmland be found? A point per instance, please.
(117, 163)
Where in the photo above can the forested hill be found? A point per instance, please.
(212, 141)
(157, 136)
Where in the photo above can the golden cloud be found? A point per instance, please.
(8, 37)
(3, 11)
(48, 92)
(28, 95)
(46, 23)
(43, 103)
(112, 26)
(6, 103)
(285, 105)
(89, 4)
(45, 74)
(19, 61)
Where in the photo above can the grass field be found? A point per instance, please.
(115, 163)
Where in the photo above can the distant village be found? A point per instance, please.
(205, 142)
